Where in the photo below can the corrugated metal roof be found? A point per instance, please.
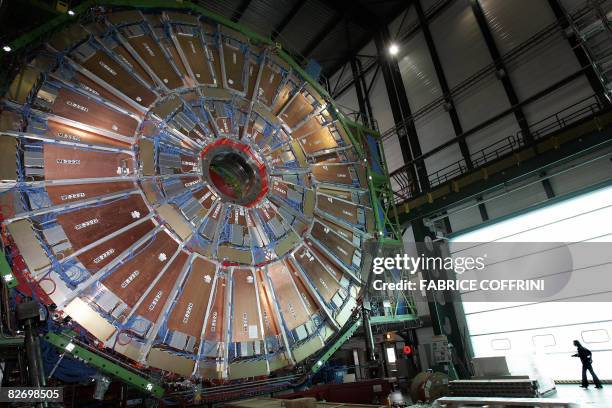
(347, 24)
(263, 16)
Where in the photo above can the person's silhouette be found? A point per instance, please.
(587, 364)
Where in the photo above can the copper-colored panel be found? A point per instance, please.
(331, 264)
(270, 80)
(233, 59)
(124, 55)
(297, 110)
(270, 325)
(188, 163)
(63, 162)
(224, 125)
(197, 134)
(151, 53)
(190, 310)
(196, 58)
(345, 195)
(174, 55)
(311, 305)
(215, 326)
(204, 191)
(320, 140)
(154, 302)
(289, 300)
(133, 277)
(310, 126)
(282, 97)
(245, 313)
(258, 137)
(342, 249)
(87, 225)
(252, 78)
(80, 108)
(64, 194)
(323, 281)
(342, 231)
(266, 213)
(210, 198)
(336, 173)
(93, 87)
(279, 188)
(189, 181)
(278, 156)
(337, 208)
(238, 216)
(107, 69)
(10, 120)
(101, 255)
(215, 60)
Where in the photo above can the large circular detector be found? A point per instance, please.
(184, 194)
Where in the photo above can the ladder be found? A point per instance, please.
(593, 28)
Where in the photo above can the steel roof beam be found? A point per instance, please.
(239, 12)
(287, 19)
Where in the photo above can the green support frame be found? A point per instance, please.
(335, 346)
(387, 221)
(64, 343)
(6, 273)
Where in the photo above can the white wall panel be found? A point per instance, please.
(545, 64)
(538, 113)
(434, 129)
(513, 22)
(379, 100)
(393, 153)
(348, 102)
(418, 72)
(482, 102)
(459, 43)
(462, 218)
(596, 171)
(516, 200)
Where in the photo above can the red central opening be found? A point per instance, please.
(235, 172)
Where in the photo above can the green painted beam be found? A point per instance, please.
(392, 319)
(6, 272)
(334, 347)
(10, 341)
(62, 342)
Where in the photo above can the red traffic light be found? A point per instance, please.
(407, 350)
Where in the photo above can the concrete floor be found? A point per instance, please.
(591, 397)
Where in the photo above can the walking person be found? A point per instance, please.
(587, 364)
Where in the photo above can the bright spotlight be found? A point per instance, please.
(7, 48)
(393, 49)
(71, 12)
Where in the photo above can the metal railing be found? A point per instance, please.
(406, 187)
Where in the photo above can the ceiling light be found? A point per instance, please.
(7, 48)
(393, 49)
